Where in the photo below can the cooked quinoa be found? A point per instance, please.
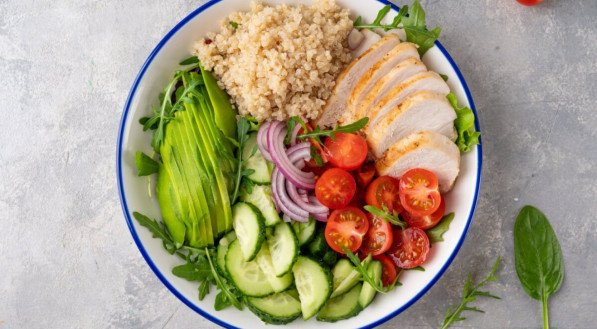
(278, 62)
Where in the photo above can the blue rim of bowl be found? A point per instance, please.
(153, 266)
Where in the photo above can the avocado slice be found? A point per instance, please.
(170, 205)
(225, 115)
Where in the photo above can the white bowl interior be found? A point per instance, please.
(158, 70)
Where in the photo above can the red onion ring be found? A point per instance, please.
(295, 131)
(287, 206)
(262, 141)
(275, 139)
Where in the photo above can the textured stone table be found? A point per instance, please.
(67, 259)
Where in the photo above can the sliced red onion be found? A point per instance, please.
(303, 194)
(282, 199)
(275, 141)
(295, 132)
(262, 141)
(303, 204)
(321, 217)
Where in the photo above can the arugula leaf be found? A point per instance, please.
(228, 294)
(436, 234)
(145, 165)
(416, 29)
(444, 77)
(465, 125)
(189, 61)
(243, 126)
(470, 292)
(538, 257)
(203, 289)
(318, 132)
(377, 24)
(418, 268)
(193, 271)
(361, 267)
(393, 218)
(158, 231)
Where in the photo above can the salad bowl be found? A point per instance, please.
(157, 70)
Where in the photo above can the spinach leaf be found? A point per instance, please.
(145, 165)
(537, 256)
(436, 234)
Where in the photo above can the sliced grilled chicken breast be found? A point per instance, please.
(336, 104)
(422, 111)
(370, 38)
(426, 149)
(424, 81)
(366, 83)
(394, 78)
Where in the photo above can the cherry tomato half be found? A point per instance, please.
(419, 192)
(384, 192)
(346, 151)
(335, 188)
(530, 2)
(365, 174)
(346, 228)
(410, 247)
(425, 222)
(388, 270)
(379, 237)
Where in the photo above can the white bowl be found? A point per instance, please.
(154, 75)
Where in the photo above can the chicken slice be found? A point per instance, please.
(422, 111)
(394, 78)
(426, 149)
(336, 104)
(424, 81)
(369, 39)
(366, 83)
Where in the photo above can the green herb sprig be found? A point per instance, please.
(243, 127)
(317, 132)
(470, 292)
(145, 164)
(411, 19)
(436, 234)
(361, 267)
(538, 257)
(393, 218)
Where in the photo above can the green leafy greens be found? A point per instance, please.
(392, 218)
(538, 257)
(243, 127)
(361, 267)
(317, 132)
(436, 234)
(411, 19)
(470, 292)
(145, 164)
(465, 125)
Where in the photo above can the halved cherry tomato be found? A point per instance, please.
(335, 188)
(425, 222)
(358, 200)
(384, 192)
(379, 237)
(410, 247)
(388, 270)
(365, 174)
(346, 151)
(530, 2)
(346, 228)
(419, 192)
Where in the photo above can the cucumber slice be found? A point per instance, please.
(341, 307)
(314, 285)
(261, 197)
(264, 260)
(305, 232)
(283, 247)
(249, 226)
(344, 279)
(318, 247)
(280, 308)
(253, 159)
(246, 276)
(368, 292)
(222, 250)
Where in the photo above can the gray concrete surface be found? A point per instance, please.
(66, 256)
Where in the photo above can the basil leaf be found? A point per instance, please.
(537, 256)
(436, 234)
(145, 165)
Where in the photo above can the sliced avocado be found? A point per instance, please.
(225, 115)
(170, 206)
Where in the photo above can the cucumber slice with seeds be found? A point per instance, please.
(345, 277)
(261, 197)
(283, 247)
(264, 260)
(246, 276)
(305, 232)
(280, 308)
(249, 226)
(314, 285)
(253, 159)
(222, 250)
(368, 292)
